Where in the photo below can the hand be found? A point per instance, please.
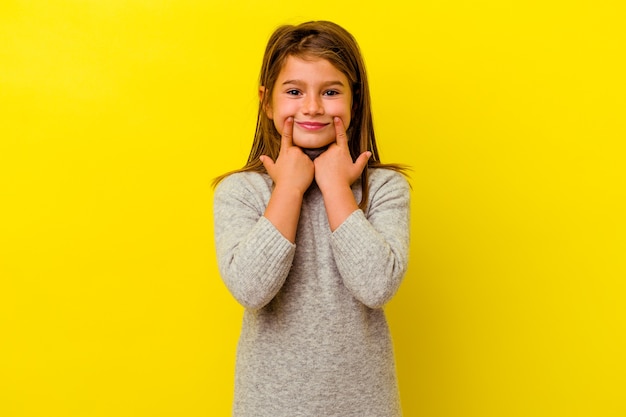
(334, 168)
(293, 169)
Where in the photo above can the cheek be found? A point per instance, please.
(278, 125)
(346, 114)
(280, 112)
(346, 108)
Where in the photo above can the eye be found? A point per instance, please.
(292, 92)
(331, 93)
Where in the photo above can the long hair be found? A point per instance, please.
(329, 41)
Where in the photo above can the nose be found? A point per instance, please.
(312, 105)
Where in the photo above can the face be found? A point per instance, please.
(313, 91)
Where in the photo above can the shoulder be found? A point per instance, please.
(387, 179)
(240, 181)
(251, 188)
(387, 189)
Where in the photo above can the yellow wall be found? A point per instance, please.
(116, 114)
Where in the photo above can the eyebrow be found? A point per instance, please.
(324, 84)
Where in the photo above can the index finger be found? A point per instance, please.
(342, 138)
(286, 139)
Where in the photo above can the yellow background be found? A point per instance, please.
(116, 114)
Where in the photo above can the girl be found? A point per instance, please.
(312, 237)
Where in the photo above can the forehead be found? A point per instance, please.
(310, 69)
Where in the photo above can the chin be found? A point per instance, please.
(312, 144)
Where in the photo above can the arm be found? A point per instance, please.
(371, 251)
(254, 258)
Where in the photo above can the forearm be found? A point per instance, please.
(254, 258)
(372, 265)
(371, 247)
(340, 203)
(254, 267)
(283, 211)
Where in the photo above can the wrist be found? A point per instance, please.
(335, 190)
(289, 190)
(340, 203)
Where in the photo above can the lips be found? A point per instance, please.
(312, 125)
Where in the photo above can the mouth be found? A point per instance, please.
(312, 126)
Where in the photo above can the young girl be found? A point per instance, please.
(312, 237)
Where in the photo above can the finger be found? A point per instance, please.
(340, 132)
(361, 161)
(268, 163)
(286, 140)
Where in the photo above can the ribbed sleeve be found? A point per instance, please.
(371, 251)
(254, 258)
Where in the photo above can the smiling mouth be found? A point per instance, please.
(312, 125)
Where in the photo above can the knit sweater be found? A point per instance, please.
(314, 340)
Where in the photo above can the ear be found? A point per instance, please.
(267, 108)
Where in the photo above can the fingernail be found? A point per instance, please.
(336, 119)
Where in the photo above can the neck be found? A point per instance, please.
(314, 153)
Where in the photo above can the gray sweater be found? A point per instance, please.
(314, 340)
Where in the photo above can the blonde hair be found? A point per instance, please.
(329, 41)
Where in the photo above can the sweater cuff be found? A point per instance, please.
(348, 237)
(272, 246)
